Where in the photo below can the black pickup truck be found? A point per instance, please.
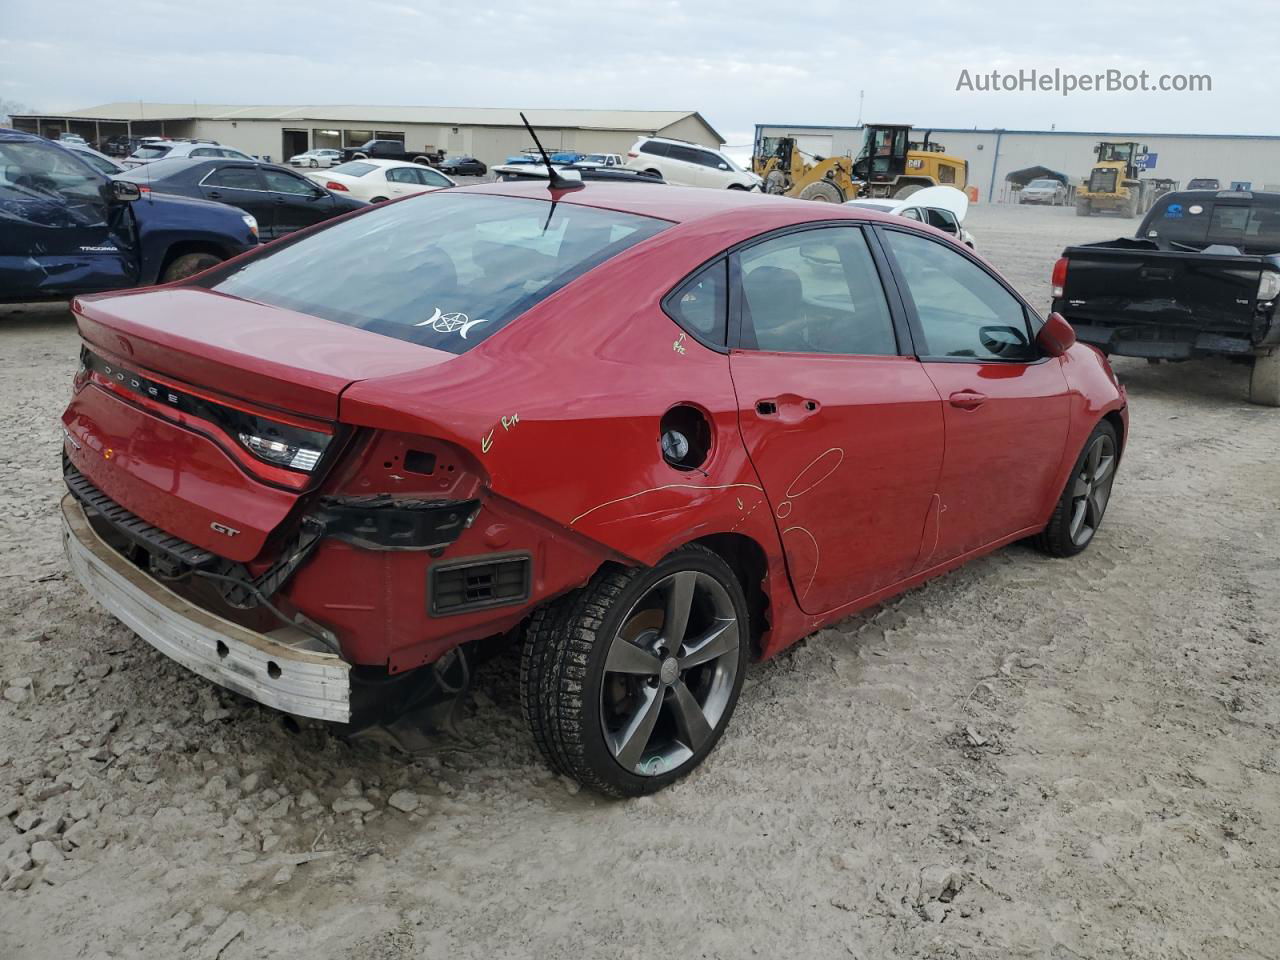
(392, 150)
(1200, 278)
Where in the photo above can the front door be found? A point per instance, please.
(242, 185)
(846, 434)
(60, 233)
(298, 202)
(1007, 408)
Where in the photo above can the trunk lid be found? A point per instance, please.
(176, 376)
(251, 351)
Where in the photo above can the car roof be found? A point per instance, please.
(385, 164)
(680, 204)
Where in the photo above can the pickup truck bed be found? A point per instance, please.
(1158, 297)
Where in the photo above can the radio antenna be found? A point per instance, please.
(554, 179)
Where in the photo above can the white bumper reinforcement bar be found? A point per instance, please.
(254, 665)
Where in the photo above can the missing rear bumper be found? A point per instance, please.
(273, 669)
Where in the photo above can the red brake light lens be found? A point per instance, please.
(335, 185)
(1059, 277)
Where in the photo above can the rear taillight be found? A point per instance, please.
(143, 188)
(1059, 277)
(633, 155)
(280, 449)
(335, 185)
(1268, 286)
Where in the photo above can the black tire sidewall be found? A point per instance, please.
(596, 751)
(1060, 527)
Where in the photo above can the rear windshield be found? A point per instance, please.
(1180, 222)
(353, 169)
(442, 270)
(151, 152)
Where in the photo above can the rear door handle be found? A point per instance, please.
(968, 399)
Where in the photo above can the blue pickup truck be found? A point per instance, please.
(66, 229)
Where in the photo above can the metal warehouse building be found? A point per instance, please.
(492, 134)
(994, 154)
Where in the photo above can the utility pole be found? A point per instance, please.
(861, 94)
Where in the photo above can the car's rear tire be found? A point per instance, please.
(1264, 382)
(613, 698)
(188, 265)
(1083, 503)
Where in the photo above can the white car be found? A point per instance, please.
(690, 165)
(320, 157)
(1044, 190)
(167, 149)
(379, 180)
(942, 207)
(99, 161)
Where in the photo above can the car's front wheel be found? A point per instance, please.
(629, 682)
(189, 265)
(1079, 511)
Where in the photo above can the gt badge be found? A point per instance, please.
(222, 528)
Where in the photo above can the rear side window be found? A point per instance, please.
(355, 168)
(655, 147)
(701, 303)
(816, 291)
(445, 270)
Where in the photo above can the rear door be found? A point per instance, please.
(1007, 409)
(297, 201)
(243, 186)
(844, 431)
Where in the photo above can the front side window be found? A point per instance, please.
(816, 291)
(700, 304)
(446, 271)
(282, 182)
(47, 185)
(963, 311)
(234, 178)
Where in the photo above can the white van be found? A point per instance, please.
(690, 165)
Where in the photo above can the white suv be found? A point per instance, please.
(690, 165)
(199, 149)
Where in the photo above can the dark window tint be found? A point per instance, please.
(655, 147)
(1178, 221)
(282, 182)
(963, 310)
(446, 272)
(816, 291)
(355, 168)
(234, 178)
(944, 220)
(709, 159)
(686, 154)
(207, 152)
(700, 305)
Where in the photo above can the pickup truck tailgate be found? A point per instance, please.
(1116, 286)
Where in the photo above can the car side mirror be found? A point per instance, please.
(724, 166)
(125, 191)
(1056, 337)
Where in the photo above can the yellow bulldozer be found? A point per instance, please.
(1113, 183)
(888, 165)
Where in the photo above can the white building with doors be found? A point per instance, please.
(489, 133)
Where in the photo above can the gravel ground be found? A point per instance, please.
(1027, 758)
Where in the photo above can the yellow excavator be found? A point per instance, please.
(888, 165)
(1114, 182)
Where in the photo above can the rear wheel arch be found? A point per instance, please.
(1117, 422)
(747, 558)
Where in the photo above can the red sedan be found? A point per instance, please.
(649, 433)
